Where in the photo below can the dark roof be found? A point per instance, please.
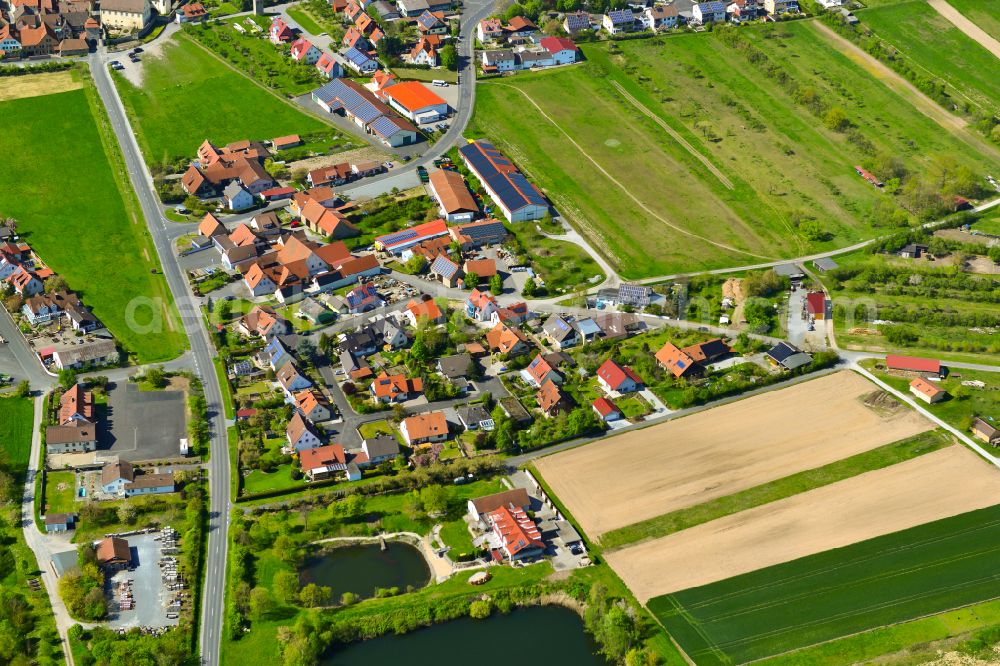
(472, 414)
(382, 445)
(781, 351)
(516, 496)
(456, 365)
(501, 176)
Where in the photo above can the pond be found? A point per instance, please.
(363, 568)
(549, 634)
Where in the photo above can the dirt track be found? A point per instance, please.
(970, 29)
(646, 473)
(934, 486)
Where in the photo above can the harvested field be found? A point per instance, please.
(622, 480)
(19, 87)
(934, 486)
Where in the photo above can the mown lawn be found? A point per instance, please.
(563, 266)
(937, 47)
(60, 492)
(280, 479)
(884, 456)
(894, 578)
(305, 21)
(188, 96)
(16, 423)
(73, 207)
(981, 12)
(786, 167)
(989, 225)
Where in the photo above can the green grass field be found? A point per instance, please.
(74, 208)
(894, 578)
(936, 46)
(784, 165)
(60, 492)
(305, 21)
(883, 456)
(189, 96)
(981, 12)
(16, 420)
(989, 225)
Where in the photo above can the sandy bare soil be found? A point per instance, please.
(17, 87)
(970, 29)
(622, 480)
(945, 483)
(355, 156)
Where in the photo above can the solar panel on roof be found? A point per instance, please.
(399, 236)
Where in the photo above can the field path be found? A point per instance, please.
(923, 103)
(622, 187)
(676, 137)
(962, 22)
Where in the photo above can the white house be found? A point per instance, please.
(503, 60)
(304, 51)
(236, 197)
(713, 11)
(563, 51)
(618, 21)
(300, 434)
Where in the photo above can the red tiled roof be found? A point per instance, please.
(615, 374)
(912, 363)
(413, 95)
(604, 406)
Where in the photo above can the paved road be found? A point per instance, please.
(473, 12)
(201, 353)
(17, 359)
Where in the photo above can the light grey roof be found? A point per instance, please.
(382, 445)
(788, 270)
(64, 561)
(456, 365)
(133, 6)
(558, 328)
(472, 414)
(797, 360)
(825, 263)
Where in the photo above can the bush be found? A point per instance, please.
(480, 610)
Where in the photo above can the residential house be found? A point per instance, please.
(926, 391)
(291, 380)
(607, 410)
(280, 31)
(236, 198)
(387, 333)
(518, 198)
(776, 7)
(414, 8)
(210, 227)
(354, 38)
(575, 22)
(304, 51)
(446, 271)
(519, 26)
(551, 399)
(359, 61)
(75, 437)
(277, 352)
(400, 241)
(377, 450)
(388, 388)
(313, 405)
(359, 344)
(263, 321)
(480, 305)
(432, 23)
(560, 332)
(38, 40)
(43, 308)
(453, 196)
(513, 314)
(474, 417)
(489, 30)
(300, 434)
(193, 12)
(324, 462)
(363, 298)
(25, 282)
(9, 42)
(618, 21)
(635, 295)
(455, 366)
(662, 17)
(985, 432)
(76, 405)
(787, 356)
(516, 533)
(120, 478)
(562, 51)
(483, 269)
(502, 339)
(128, 16)
(480, 507)
(713, 11)
(616, 378)
(330, 65)
(424, 311)
(89, 354)
(502, 60)
(424, 428)
(711, 351)
(540, 371)
(677, 361)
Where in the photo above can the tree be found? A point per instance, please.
(23, 389)
(286, 586)
(348, 599)
(55, 283)
(529, 288)
(471, 280)
(261, 602)
(496, 284)
(434, 499)
(314, 596)
(156, 378)
(449, 57)
(126, 513)
(836, 119)
(299, 176)
(416, 264)
(480, 609)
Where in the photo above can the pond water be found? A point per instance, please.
(540, 635)
(361, 569)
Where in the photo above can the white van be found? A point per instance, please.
(439, 82)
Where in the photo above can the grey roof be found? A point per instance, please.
(454, 366)
(382, 445)
(232, 189)
(825, 264)
(64, 561)
(797, 360)
(472, 414)
(788, 270)
(88, 351)
(558, 328)
(133, 6)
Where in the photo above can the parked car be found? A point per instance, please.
(137, 49)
